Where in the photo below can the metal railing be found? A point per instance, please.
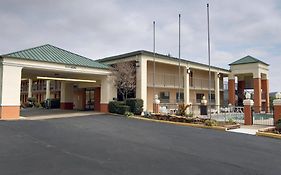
(198, 83)
(261, 117)
(165, 80)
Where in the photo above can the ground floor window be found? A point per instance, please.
(199, 97)
(180, 98)
(164, 97)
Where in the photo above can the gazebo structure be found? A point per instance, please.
(252, 74)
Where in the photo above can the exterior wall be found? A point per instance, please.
(172, 92)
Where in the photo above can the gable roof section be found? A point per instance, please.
(248, 60)
(53, 54)
(144, 52)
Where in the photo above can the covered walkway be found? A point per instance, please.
(40, 66)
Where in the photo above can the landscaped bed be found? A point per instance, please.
(274, 131)
(194, 121)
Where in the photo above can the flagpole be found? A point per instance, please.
(179, 55)
(209, 59)
(153, 59)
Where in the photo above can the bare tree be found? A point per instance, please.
(125, 77)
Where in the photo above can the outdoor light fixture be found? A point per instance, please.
(67, 79)
(188, 70)
(137, 64)
(219, 75)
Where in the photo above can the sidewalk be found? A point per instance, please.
(248, 129)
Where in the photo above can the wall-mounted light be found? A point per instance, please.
(218, 75)
(188, 71)
(137, 64)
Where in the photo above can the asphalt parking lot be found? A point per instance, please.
(106, 144)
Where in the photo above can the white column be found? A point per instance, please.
(66, 92)
(29, 87)
(48, 93)
(108, 90)
(217, 90)
(10, 77)
(186, 86)
(141, 82)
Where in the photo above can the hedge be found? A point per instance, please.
(135, 104)
(118, 107)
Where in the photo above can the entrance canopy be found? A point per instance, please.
(49, 63)
(251, 73)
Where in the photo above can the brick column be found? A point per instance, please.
(248, 118)
(265, 91)
(277, 108)
(257, 95)
(156, 104)
(231, 91)
(97, 99)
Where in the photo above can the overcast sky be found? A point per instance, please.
(96, 29)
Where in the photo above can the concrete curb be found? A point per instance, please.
(267, 134)
(180, 124)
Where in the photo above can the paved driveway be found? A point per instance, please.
(105, 144)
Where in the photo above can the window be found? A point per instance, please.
(181, 97)
(213, 98)
(199, 97)
(164, 97)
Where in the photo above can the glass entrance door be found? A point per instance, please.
(89, 99)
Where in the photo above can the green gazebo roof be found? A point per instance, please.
(248, 60)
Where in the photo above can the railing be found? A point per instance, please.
(197, 83)
(165, 80)
(260, 117)
(172, 81)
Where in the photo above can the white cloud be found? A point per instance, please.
(103, 28)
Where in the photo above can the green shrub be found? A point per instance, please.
(123, 109)
(118, 107)
(136, 105)
(210, 122)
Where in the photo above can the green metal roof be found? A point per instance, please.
(52, 54)
(112, 58)
(248, 60)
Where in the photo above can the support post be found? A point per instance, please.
(257, 95)
(66, 95)
(217, 91)
(231, 90)
(141, 81)
(265, 92)
(108, 92)
(277, 107)
(10, 77)
(29, 88)
(48, 93)
(248, 103)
